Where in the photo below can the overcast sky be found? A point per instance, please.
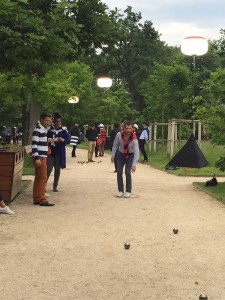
(176, 19)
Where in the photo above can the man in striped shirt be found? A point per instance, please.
(39, 156)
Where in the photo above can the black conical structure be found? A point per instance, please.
(190, 155)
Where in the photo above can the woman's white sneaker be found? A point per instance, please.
(6, 210)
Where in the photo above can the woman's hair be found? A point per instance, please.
(57, 116)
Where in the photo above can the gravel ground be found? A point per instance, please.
(75, 250)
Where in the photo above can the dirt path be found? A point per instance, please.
(75, 250)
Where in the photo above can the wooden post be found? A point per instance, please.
(194, 127)
(155, 136)
(150, 138)
(175, 134)
(172, 137)
(199, 133)
(169, 136)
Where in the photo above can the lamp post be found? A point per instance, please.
(105, 83)
(73, 100)
(194, 46)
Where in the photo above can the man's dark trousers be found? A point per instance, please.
(54, 161)
(127, 160)
(142, 148)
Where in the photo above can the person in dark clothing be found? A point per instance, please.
(8, 134)
(91, 135)
(97, 140)
(113, 133)
(14, 135)
(57, 157)
(74, 138)
(144, 137)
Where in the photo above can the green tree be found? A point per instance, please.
(165, 91)
(134, 48)
(37, 34)
(210, 107)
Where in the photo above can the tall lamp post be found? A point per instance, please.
(194, 46)
(73, 100)
(105, 83)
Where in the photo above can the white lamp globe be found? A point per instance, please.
(73, 100)
(194, 45)
(104, 82)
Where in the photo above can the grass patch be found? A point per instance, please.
(214, 191)
(28, 167)
(160, 159)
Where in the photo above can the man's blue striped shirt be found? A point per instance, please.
(39, 142)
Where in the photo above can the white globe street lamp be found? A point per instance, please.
(73, 100)
(104, 82)
(194, 46)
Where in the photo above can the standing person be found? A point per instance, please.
(144, 139)
(5, 209)
(39, 157)
(57, 157)
(98, 140)
(113, 133)
(103, 138)
(74, 138)
(137, 131)
(8, 134)
(91, 135)
(14, 134)
(128, 155)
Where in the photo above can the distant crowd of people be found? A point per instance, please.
(49, 140)
(10, 134)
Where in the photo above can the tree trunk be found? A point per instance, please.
(25, 123)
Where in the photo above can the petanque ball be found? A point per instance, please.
(175, 231)
(203, 297)
(127, 246)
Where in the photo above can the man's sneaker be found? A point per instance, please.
(127, 195)
(144, 160)
(47, 195)
(119, 194)
(55, 188)
(6, 210)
